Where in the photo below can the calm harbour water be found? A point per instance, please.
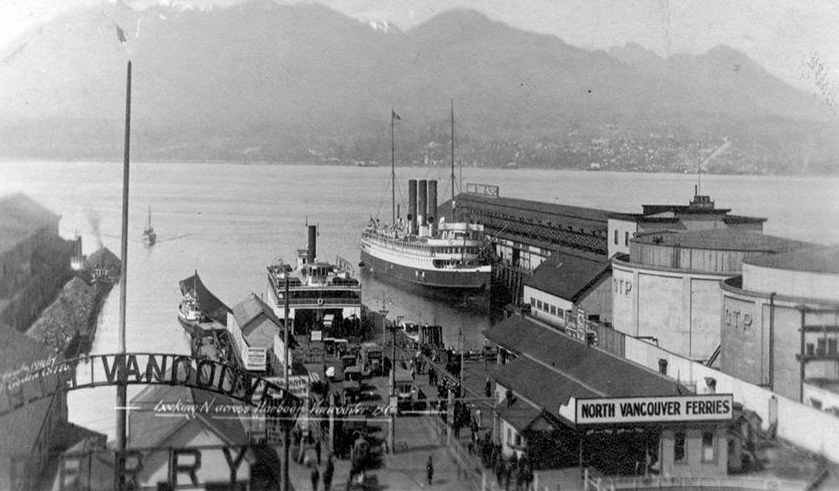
(229, 221)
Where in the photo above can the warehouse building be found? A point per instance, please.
(667, 290)
(780, 325)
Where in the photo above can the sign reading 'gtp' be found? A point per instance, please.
(708, 407)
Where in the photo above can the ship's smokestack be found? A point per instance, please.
(422, 202)
(412, 204)
(432, 201)
(313, 243)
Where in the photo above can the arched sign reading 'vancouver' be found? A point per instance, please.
(42, 379)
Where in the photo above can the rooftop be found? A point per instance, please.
(20, 217)
(149, 429)
(815, 260)
(520, 415)
(251, 308)
(723, 239)
(591, 217)
(568, 274)
(567, 362)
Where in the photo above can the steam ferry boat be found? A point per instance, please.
(321, 296)
(423, 250)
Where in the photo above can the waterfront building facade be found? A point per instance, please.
(667, 289)
(780, 325)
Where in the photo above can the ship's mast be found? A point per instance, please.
(392, 167)
(699, 171)
(453, 219)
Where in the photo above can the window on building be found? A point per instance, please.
(553, 312)
(708, 454)
(616, 237)
(518, 440)
(831, 346)
(509, 437)
(538, 304)
(811, 349)
(679, 447)
(532, 301)
(626, 239)
(546, 307)
(821, 347)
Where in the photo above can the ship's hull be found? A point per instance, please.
(191, 327)
(452, 279)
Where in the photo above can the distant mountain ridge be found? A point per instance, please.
(214, 82)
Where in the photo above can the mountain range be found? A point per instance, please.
(264, 81)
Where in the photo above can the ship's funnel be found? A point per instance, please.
(313, 244)
(412, 204)
(422, 202)
(432, 202)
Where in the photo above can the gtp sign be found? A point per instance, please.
(707, 407)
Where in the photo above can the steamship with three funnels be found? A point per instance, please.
(321, 296)
(422, 249)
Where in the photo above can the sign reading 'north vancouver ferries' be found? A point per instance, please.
(707, 407)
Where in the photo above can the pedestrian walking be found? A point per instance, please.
(328, 473)
(488, 389)
(315, 476)
(317, 449)
(429, 470)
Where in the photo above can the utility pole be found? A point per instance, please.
(460, 375)
(384, 312)
(285, 422)
(392, 429)
(122, 398)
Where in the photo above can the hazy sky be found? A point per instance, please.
(780, 35)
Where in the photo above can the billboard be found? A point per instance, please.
(621, 410)
(482, 189)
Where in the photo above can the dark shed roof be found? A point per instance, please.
(586, 217)
(569, 275)
(568, 360)
(252, 308)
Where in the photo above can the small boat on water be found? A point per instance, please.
(200, 311)
(149, 236)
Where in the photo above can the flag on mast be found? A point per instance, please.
(394, 116)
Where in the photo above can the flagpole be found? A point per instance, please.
(122, 402)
